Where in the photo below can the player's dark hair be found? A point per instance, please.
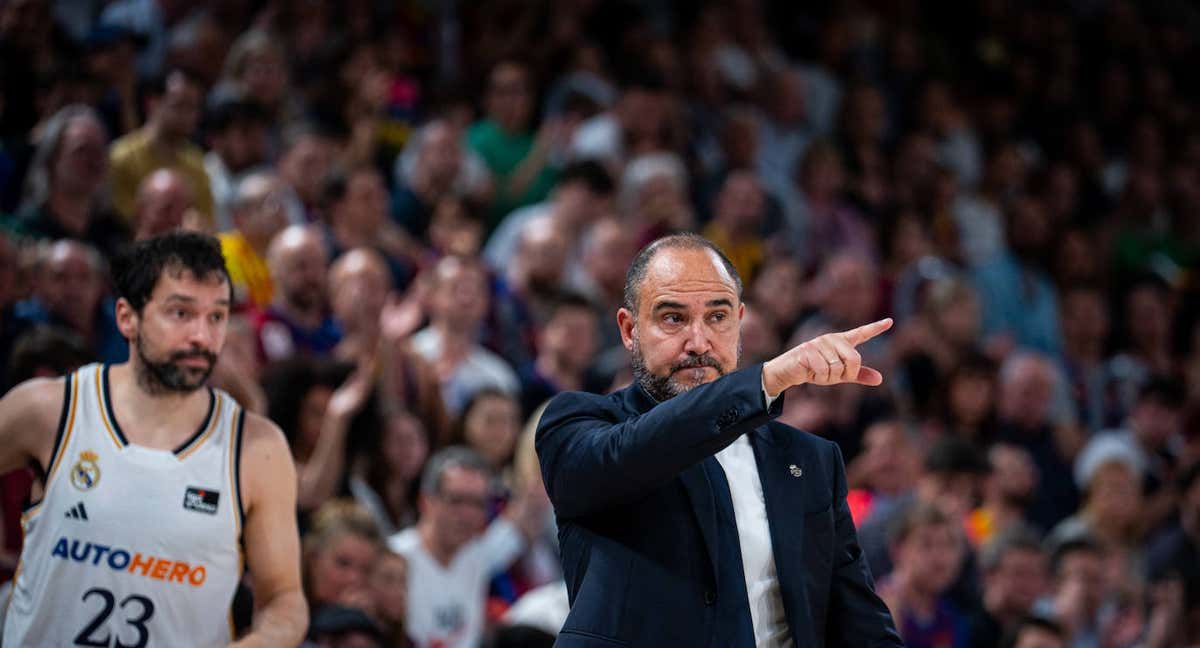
(137, 269)
(685, 241)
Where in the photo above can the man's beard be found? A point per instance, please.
(665, 387)
(168, 376)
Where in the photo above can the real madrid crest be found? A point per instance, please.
(85, 474)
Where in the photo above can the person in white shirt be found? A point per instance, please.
(453, 553)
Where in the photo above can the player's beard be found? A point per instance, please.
(168, 376)
(665, 387)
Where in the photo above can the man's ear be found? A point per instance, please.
(127, 319)
(626, 323)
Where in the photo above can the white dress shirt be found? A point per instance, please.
(754, 535)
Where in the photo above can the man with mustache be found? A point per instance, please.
(686, 516)
(156, 492)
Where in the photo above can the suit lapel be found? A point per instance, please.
(699, 490)
(784, 495)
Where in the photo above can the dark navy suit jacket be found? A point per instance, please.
(638, 521)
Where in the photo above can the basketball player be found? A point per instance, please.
(154, 487)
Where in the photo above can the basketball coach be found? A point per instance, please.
(686, 515)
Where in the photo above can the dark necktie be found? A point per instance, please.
(734, 626)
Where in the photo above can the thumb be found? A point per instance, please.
(868, 376)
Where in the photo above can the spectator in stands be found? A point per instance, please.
(489, 425)
(10, 326)
(257, 212)
(385, 474)
(1028, 384)
(434, 165)
(582, 195)
(1015, 576)
(306, 158)
(1078, 590)
(537, 272)
(739, 213)
(1007, 492)
(608, 247)
(165, 202)
(388, 582)
(165, 141)
(452, 552)
(297, 321)
(356, 206)
(927, 549)
(458, 302)
(519, 159)
(339, 552)
(1175, 556)
(1037, 632)
(70, 291)
(819, 221)
(65, 184)
(236, 135)
(885, 472)
(1085, 330)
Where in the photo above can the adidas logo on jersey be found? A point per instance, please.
(77, 512)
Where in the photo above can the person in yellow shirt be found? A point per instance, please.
(165, 141)
(739, 212)
(258, 213)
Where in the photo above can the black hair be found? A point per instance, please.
(137, 269)
(1166, 391)
(951, 455)
(287, 382)
(1080, 543)
(685, 241)
(1040, 622)
(569, 299)
(234, 112)
(458, 435)
(44, 346)
(591, 173)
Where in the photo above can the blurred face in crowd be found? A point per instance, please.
(1035, 637)
(1029, 229)
(405, 446)
(1013, 477)
(242, 145)
(931, 555)
(459, 298)
(440, 154)
(340, 567)
(1149, 316)
(265, 75)
(687, 325)
(298, 267)
(510, 97)
(178, 110)
(70, 285)
(452, 230)
(643, 113)
(388, 582)
(1026, 389)
(1085, 318)
(1115, 495)
(609, 250)
(359, 282)
(851, 290)
(570, 336)
(893, 460)
(576, 205)
(1016, 582)
(543, 254)
(740, 204)
(822, 176)
(261, 214)
(80, 165)
(491, 426)
(458, 511)
(971, 395)
(164, 201)
(8, 272)
(1155, 421)
(1083, 572)
(305, 165)
(364, 206)
(760, 341)
(954, 493)
(779, 288)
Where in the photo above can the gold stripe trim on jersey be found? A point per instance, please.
(66, 438)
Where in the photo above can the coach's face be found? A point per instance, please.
(686, 328)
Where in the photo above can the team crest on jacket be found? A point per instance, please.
(85, 474)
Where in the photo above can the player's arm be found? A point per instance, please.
(29, 419)
(272, 539)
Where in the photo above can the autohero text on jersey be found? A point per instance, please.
(117, 559)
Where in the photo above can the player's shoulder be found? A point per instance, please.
(261, 437)
(37, 399)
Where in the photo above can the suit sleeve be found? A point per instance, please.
(594, 456)
(857, 616)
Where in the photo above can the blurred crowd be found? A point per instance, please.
(427, 209)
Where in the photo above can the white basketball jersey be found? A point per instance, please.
(130, 546)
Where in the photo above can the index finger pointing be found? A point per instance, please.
(867, 331)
